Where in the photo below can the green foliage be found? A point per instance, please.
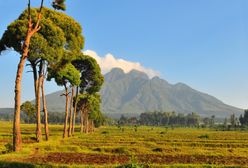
(91, 76)
(91, 103)
(244, 119)
(29, 110)
(8, 148)
(162, 119)
(67, 74)
(58, 32)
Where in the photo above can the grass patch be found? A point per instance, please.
(23, 165)
(149, 145)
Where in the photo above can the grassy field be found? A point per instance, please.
(113, 147)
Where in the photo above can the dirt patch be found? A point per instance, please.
(79, 158)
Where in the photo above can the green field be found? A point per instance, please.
(113, 147)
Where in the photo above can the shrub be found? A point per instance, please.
(8, 148)
(120, 150)
(206, 136)
(105, 132)
(157, 150)
(97, 149)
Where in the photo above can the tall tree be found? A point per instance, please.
(65, 74)
(32, 28)
(91, 81)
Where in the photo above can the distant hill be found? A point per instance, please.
(134, 93)
(6, 110)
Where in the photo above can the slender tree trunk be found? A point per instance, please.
(74, 112)
(66, 112)
(71, 109)
(38, 107)
(86, 118)
(92, 126)
(37, 83)
(87, 123)
(17, 142)
(44, 107)
(81, 121)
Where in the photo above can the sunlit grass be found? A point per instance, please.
(125, 141)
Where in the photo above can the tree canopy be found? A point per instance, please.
(58, 32)
(91, 77)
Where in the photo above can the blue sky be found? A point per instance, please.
(201, 43)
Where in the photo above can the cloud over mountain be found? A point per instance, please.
(109, 62)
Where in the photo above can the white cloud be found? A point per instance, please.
(109, 61)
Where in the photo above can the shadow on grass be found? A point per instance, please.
(5, 164)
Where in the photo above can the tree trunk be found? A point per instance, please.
(74, 112)
(44, 107)
(92, 126)
(38, 117)
(17, 142)
(66, 111)
(71, 109)
(81, 121)
(86, 119)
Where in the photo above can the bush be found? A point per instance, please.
(157, 150)
(98, 150)
(120, 150)
(206, 136)
(105, 132)
(8, 148)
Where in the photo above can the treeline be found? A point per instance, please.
(162, 119)
(186, 120)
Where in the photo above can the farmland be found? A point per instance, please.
(110, 146)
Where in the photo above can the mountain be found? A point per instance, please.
(134, 93)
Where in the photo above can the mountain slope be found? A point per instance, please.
(134, 93)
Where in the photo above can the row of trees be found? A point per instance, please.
(52, 42)
(185, 120)
(162, 119)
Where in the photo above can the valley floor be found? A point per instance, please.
(113, 147)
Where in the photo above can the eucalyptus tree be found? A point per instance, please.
(91, 81)
(65, 74)
(33, 26)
